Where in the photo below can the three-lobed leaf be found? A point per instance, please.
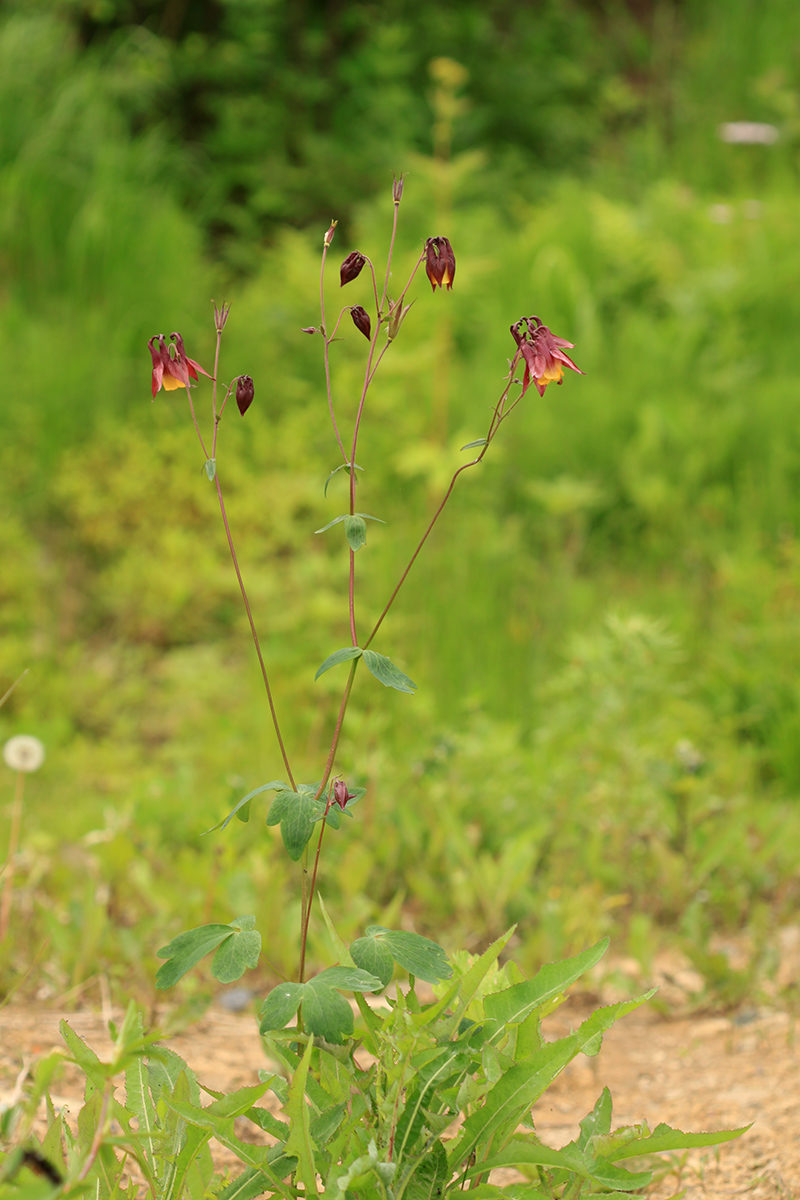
(239, 947)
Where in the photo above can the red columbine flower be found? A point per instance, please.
(171, 365)
(440, 262)
(543, 353)
(244, 393)
(361, 320)
(341, 794)
(351, 267)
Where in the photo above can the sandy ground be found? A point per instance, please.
(694, 1073)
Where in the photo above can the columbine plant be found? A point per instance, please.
(411, 1093)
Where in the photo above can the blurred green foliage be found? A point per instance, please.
(605, 625)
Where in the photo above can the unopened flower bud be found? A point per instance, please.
(351, 267)
(440, 262)
(309, 329)
(361, 320)
(341, 794)
(244, 393)
(397, 188)
(329, 234)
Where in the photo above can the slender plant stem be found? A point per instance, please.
(389, 256)
(196, 426)
(13, 844)
(7, 693)
(327, 349)
(494, 425)
(304, 936)
(256, 642)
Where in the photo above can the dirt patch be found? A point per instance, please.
(696, 1073)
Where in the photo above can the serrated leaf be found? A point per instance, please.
(299, 1142)
(236, 955)
(472, 445)
(346, 654)
(387, 673)
(416, 954)
(95, 1071)
(211, 467)
(665, 1138)
(514, 1004)
(273, 786)
(427, 1180)
(598, 1121)
(355, 530)
(251, 1183)
(280, 1006)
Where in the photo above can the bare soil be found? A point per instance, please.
(696, 1073)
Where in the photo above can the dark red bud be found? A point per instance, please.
(341, 794)
(440, 262)
(309, 329)
(351, 267)
(361, 320)
(244, 393)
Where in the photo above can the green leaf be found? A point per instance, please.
(336, 470)
(598, 1121)
(296, 812)
(427, 1180)
(95, 1071)
(372, 955)
(665, 1138)
(335, 521)
(185, 950)
(251, 1183)
(299, 1141)
(236, 955)
(273, 786)
(386, 672)
(139, 1102)
(416, 954)
(348, 979)
(512, 1006)
(211, 467)
(280, 1006)
(472, 445)
(326, 1013)
(355, 530)
(346, 654)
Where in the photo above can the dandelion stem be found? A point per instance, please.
(11, 860)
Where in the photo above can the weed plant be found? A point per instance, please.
(388, 1089)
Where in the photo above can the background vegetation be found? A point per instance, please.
(607, 731)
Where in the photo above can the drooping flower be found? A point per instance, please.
(361, 320)
(440, 262)
(351, 267)
(543, 353)
(244, 393)
(341, 794)
(172, 367)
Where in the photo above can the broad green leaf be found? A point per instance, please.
(236, 955)
(274, 785)
(299, 1142)
(348, 979)
(326, 1013)
(416, 954)
(280, 1006)
(429, 1177)
(211, 467)
(387, 673)
(372, 954)
(296, 812)
(139, 1102)
(95, 1071)
(520, 1153)
(355, 530)
(186, 950)
(512, 1006)
(236, 1103)
(346, 654)
(665, 1138)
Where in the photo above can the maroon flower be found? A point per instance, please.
(351, 267)
(361, 320)
(440, 262)
(543, 353)
(244, 393)
(341, 794)
(171, 366)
